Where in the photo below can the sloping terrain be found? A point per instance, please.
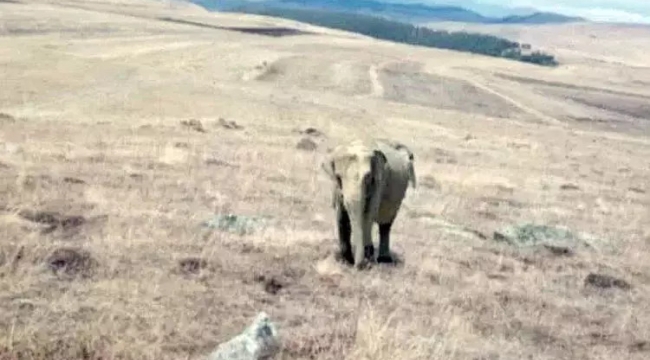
(126, 139)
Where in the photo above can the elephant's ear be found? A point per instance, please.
(329, 169)
(412, 174)
(411, 169)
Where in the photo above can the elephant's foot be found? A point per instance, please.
(346, 256)
(365, 259)
(369, 252)
(363, 264)
(385, 259)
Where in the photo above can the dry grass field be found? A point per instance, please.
(125, 125)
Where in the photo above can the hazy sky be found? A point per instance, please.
(598, 10)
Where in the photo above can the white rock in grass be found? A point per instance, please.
(257, 342)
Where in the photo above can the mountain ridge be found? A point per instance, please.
(410, 12)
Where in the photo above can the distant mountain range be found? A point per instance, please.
(409, 12)
(539, 18)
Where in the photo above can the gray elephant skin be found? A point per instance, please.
(370, 179)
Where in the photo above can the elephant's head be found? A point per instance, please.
(358, 176)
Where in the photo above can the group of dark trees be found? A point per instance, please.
(391, 30)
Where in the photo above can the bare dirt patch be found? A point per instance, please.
(406, 83)
(71, 262)
(6, 118)
(316, 72)
(624, 105)
(53, 219)
(610, 109)
(565, 85)
(606, 282)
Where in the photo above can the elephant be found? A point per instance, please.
(369, 182)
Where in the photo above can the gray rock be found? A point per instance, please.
(531, 235)
(307, 144)
(235, 223)
(257, 342)
(558, 240)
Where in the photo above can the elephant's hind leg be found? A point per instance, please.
(345, 231)
(384, 243)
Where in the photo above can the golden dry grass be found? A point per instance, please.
(93, 100)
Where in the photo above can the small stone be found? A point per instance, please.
(558, 250)
(73, 180)
(569, 187)
(271, 284)
(312, 132)
(606, 281)
(228, 124)
(192, 265)
(257, 342)
(307, 145)
(193, 124)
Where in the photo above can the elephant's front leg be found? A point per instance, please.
(384, 243)
(344, 228)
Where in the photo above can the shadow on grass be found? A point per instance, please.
(266, 31)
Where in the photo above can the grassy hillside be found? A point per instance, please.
(160, 184)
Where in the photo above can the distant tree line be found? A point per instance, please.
(385, 29)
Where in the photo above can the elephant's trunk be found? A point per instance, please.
(361, 226)
(361, 217)
(367, 191)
